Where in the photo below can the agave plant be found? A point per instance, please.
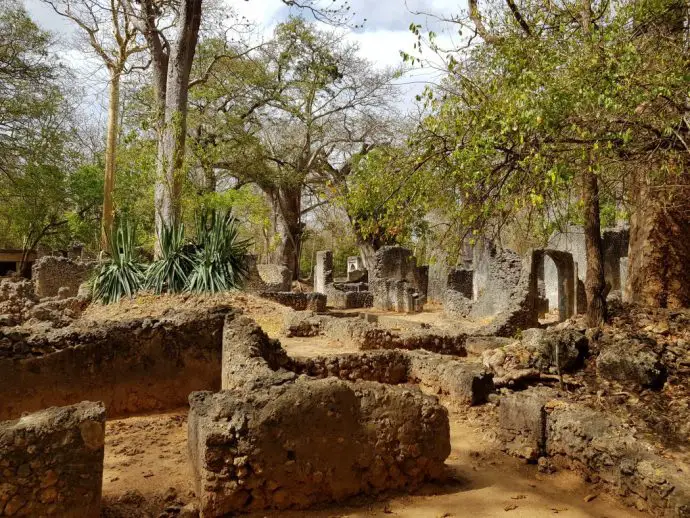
(219, 261)
(171, 271)
(121, 274)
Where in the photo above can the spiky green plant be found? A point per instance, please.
(121, 274)
(171, 271)
(220, 258)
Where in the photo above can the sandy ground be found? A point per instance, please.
(148, 454)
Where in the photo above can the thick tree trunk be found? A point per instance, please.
(110, 157)
(595, 287)
(171, 144)
(659, 252)
(290, 227)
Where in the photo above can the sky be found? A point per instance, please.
(384, 34)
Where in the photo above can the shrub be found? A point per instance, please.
(121, 274)
(220, 257)
(171, 271)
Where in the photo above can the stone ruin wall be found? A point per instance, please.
(51, 462)
(50, 273)
(396, 282)
(536, 424)
(266, 277)
(132, 366)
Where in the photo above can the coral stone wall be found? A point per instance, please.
(51, 462)
(50, 273)
(132, 366)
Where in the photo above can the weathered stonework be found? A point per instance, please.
(276, 438)
(266, 277)
(298, 301)
(323, 271)
(50, 273)
(535, 423)
(132, 366)
(51, 462)
(297, 444)
(396, 283)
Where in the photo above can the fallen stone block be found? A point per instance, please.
(301, 323)
(463, 382)
(312, 441)
(51, 462)
(631, 362)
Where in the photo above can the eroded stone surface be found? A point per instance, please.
(298, 444)
(51, 462)
(132, 366)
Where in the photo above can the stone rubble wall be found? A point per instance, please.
(298, 301)
(277, 438)
(266, 277)
(51, 462)
(535, 423)
(342, 299)
(302, 443)
(50, 273)
(396, 282)
(132, 366)
(369, 336)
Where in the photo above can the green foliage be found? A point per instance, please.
(170, 273)
(519, 120)
(219, 261)
(121, 275)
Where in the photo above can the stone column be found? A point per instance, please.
(323, 271)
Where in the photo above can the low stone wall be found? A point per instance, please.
(132, 366)
(298, 301)
(50, 273)
(368, 336)
(266, 277)
(277, 439)
(535, 423)
(383, 366)
(297, 444)
(51, 462)
(341, 299)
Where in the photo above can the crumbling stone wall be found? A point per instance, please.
(132, 366)
(341, 299)
(51, 462)
(535, 423)
(396, 283)
(572, 240)
(297, 301)
(266, 277)
(266, 441)
(50, 273)
(273, 448)
(457, 297)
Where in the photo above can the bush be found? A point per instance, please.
(171, 272)
(220, 257)
(121, 274)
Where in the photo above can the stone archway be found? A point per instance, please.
(564, 282)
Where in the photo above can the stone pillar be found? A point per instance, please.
(323, 271)
(623, 265)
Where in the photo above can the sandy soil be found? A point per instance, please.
(148, 454)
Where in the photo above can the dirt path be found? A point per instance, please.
(148, 454)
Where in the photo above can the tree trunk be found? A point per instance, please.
(171, 144)
(595, 287)
(110, 156)
(659, 251)
(290, 227)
